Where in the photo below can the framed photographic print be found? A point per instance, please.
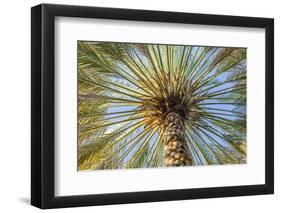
(139, 106)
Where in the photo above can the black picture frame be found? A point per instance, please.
(43, 102)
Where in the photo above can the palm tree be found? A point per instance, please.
(148, 105)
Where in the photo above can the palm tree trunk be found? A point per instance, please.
(176, 150)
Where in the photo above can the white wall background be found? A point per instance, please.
(15, 105)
